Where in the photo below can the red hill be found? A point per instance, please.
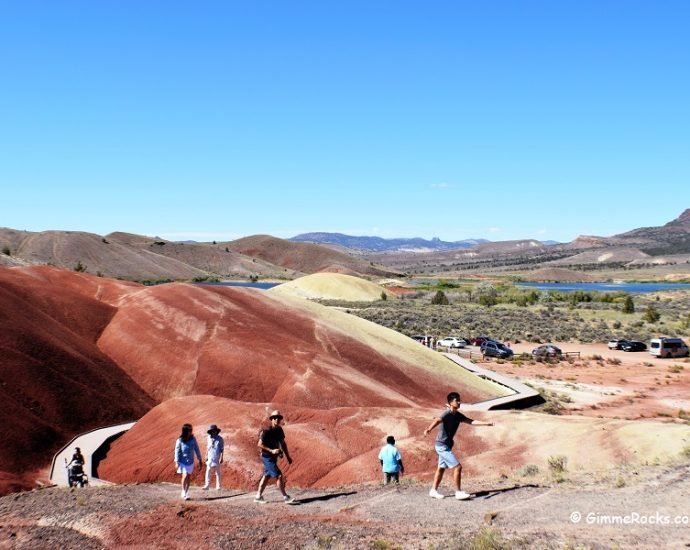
(250, 345)
(55, 380)
(80, 351)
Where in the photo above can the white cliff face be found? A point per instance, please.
(604, 257)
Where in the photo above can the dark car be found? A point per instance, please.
(547, 350)
(496, 349)
(634, 345)
(479, 340)
(616, 343)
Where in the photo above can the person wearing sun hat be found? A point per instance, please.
(214, 456)
(272, 446)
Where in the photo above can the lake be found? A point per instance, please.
(248, 284)
(630, 288)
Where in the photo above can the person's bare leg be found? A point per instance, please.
(438, 476)
(281, 485)
(186, 478)
(457, 477)
(262, 485)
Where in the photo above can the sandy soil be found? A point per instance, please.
(609, 383)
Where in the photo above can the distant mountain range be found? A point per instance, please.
(139, 257)
(671, 238)
(379, 244)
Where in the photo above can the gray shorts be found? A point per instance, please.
(446, 458)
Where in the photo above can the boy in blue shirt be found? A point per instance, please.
(391, 461)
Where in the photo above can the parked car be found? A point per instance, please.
(634, 345)
(547, 350)
(616, 343)
(451, 342)
(479, 340)
(496, 349)
(668, 347)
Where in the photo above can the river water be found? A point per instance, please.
(248, 284)
(630, 288)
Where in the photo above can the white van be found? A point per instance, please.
(668, 347)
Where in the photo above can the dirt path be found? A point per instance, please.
(523, 513)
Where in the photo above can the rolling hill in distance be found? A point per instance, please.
(379, 244)
(665, 249)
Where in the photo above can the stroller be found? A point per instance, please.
(75, 474)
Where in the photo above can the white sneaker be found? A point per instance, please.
(186, 496)
(435, 494)
(218, 488)
(287, 499)
(259, 499)
(204, 488)
(462, 495)
(182, 494)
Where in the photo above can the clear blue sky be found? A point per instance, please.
(220, 119)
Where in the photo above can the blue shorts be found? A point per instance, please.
(446, 458)
(271, 467)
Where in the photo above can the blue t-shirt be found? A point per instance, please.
(390, 457)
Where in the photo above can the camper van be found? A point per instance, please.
(668, 347)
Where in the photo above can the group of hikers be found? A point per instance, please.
(272, 446)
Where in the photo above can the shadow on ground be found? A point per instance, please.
(323, 498)
(490, 493)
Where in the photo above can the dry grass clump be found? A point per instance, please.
(554, 402)
(485, 538)
(529, 470)
(557, 467)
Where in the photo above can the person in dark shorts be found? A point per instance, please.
(450, 421)
(273, 446)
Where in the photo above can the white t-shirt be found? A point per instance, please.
(214, 448)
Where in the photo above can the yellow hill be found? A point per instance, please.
(331, 286)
